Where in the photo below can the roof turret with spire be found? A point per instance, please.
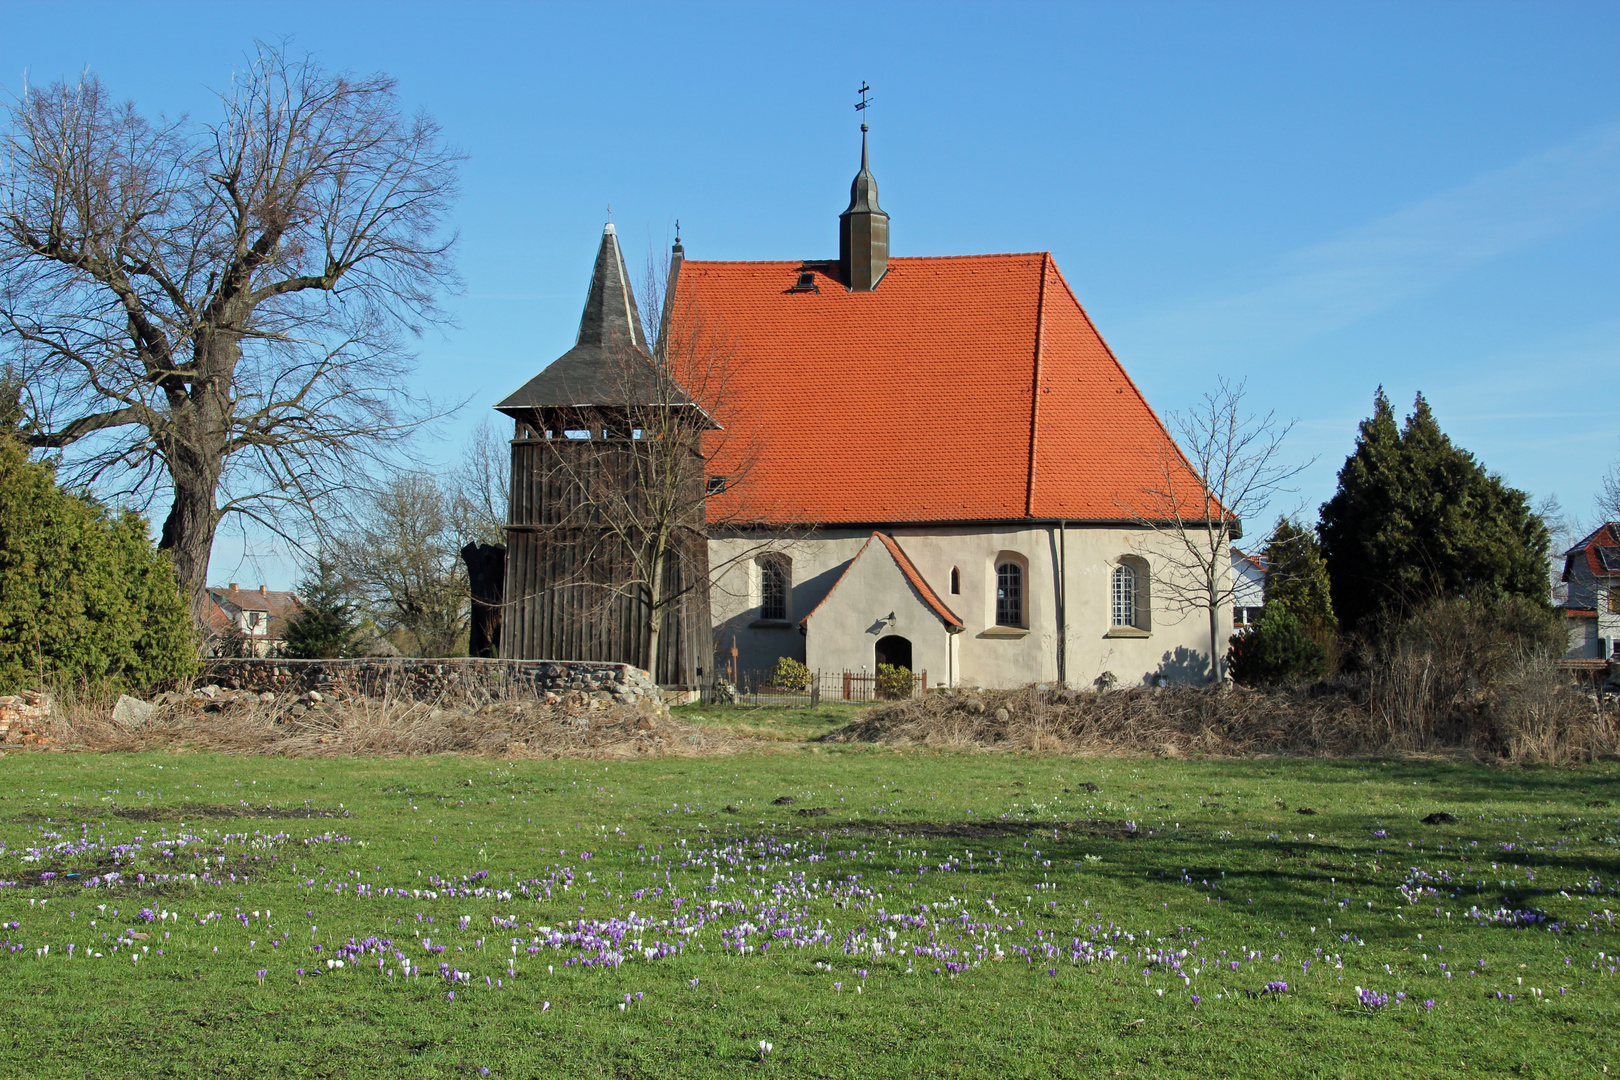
(863, 231)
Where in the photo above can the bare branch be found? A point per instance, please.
(216, 313)
(1226, 469)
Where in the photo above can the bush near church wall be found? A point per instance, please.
(427, 679)
(84, 597)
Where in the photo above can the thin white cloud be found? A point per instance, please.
(1318, 289)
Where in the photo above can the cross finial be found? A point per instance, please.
(864, 102)
(677, 230)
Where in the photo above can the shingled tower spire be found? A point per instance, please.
(610, 316)
(863, 229)
(609, 366)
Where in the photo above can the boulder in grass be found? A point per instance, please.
(1440, 817)
(132, 712)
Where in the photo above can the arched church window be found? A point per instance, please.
(774, 585)
(1124, 595)
(1009, 594)
(956, 581)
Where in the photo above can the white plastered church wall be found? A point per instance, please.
(844, 631)
(1175, 645)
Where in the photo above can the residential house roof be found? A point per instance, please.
(277, 606)
(1600, 550)
(962, 388)
(1258, 562)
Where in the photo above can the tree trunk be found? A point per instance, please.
(188, 535)
(656, 616)
(1219, 554)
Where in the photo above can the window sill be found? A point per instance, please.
(1128, 631)
(770, 624)
(1005, 632)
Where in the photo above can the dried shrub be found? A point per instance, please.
(1437, 677)
(1541, 717)
(389, 726)
(1533, 713)
(1172, 722)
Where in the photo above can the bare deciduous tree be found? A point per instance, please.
(1609, 497)
(479, 485)
(214, 313)
(1227, 469)
(400, 554)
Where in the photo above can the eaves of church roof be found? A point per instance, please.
(962, 388)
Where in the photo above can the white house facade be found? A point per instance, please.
(1591, 603)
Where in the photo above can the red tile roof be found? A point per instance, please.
(1601, 550)
(1255, 561)
(215, 621)
(967, 388)
(929, 597)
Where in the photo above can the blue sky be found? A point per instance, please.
(1318, 198)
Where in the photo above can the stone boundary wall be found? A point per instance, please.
(428, 679)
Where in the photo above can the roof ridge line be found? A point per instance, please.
(896, 258)
(1035, 385)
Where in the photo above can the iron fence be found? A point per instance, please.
(757, 688)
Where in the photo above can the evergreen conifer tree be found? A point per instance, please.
(1296, 575)
(1416, 518)
(1278, 650)
(325, 627)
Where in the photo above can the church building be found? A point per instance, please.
(926, 461)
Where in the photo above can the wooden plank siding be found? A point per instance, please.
(571, 592)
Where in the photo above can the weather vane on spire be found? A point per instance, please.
(864, 102)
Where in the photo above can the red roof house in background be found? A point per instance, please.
(249, 622)
(1592, 602)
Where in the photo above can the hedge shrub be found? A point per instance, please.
(84, 597)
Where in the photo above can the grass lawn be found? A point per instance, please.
(908, 914)
(774, 724)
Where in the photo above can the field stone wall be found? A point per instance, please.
(429, 679)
